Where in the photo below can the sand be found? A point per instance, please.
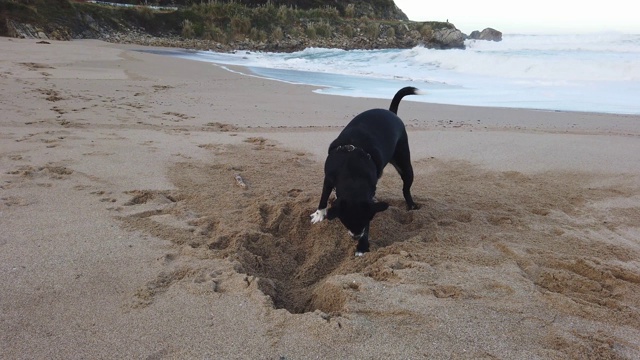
(126, 235)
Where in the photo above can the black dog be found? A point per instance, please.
(355, 163)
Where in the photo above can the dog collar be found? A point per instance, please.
(350, 148)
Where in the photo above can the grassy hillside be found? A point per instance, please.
(379, 9)
(254, 23)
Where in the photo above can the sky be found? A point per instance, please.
(533, 17)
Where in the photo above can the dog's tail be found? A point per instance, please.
(409, 90)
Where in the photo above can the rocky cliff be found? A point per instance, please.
(229, 26)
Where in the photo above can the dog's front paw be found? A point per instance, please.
(318, 216)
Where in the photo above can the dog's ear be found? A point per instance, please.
(378, 207)
(333, 212)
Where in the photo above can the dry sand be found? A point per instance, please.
(125, 235)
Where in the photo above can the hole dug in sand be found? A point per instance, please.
(296, 262)
(265, 229)
(271, 242)
(291, 257)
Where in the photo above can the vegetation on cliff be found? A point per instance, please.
(379, 9)
(283, 25)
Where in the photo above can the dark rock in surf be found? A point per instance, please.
(448, 39)
(488, 34)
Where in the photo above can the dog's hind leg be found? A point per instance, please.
(402, 162)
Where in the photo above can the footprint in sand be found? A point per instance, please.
(54, 172)
(11, 201)
(32, 66)
(51, 94)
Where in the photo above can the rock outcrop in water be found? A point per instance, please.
(486, 34)
(449, 39)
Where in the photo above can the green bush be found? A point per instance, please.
(256, 34)
(187, 29)
(213, 32)
(350, 11)
(390, 32)
(347, 30)
(277, 34)
(371, 30)
(426, 31)
(285, 15)
(327, 13)
(240, 25)
(310, 31)
(323, 29)
(295, 32)
(263, 17)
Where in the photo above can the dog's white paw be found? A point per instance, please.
(318, 216)
(358, 254)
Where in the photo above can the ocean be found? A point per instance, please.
(589, 73)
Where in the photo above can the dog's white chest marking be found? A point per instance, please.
(318, 216)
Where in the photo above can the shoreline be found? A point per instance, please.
(324, 81)
(125, 232)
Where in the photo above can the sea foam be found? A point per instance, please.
(595, 72)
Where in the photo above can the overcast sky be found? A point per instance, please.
(534, 17)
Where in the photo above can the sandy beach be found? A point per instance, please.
(125, 234)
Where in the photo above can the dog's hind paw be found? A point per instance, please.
(318, 216)
(358, 254)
